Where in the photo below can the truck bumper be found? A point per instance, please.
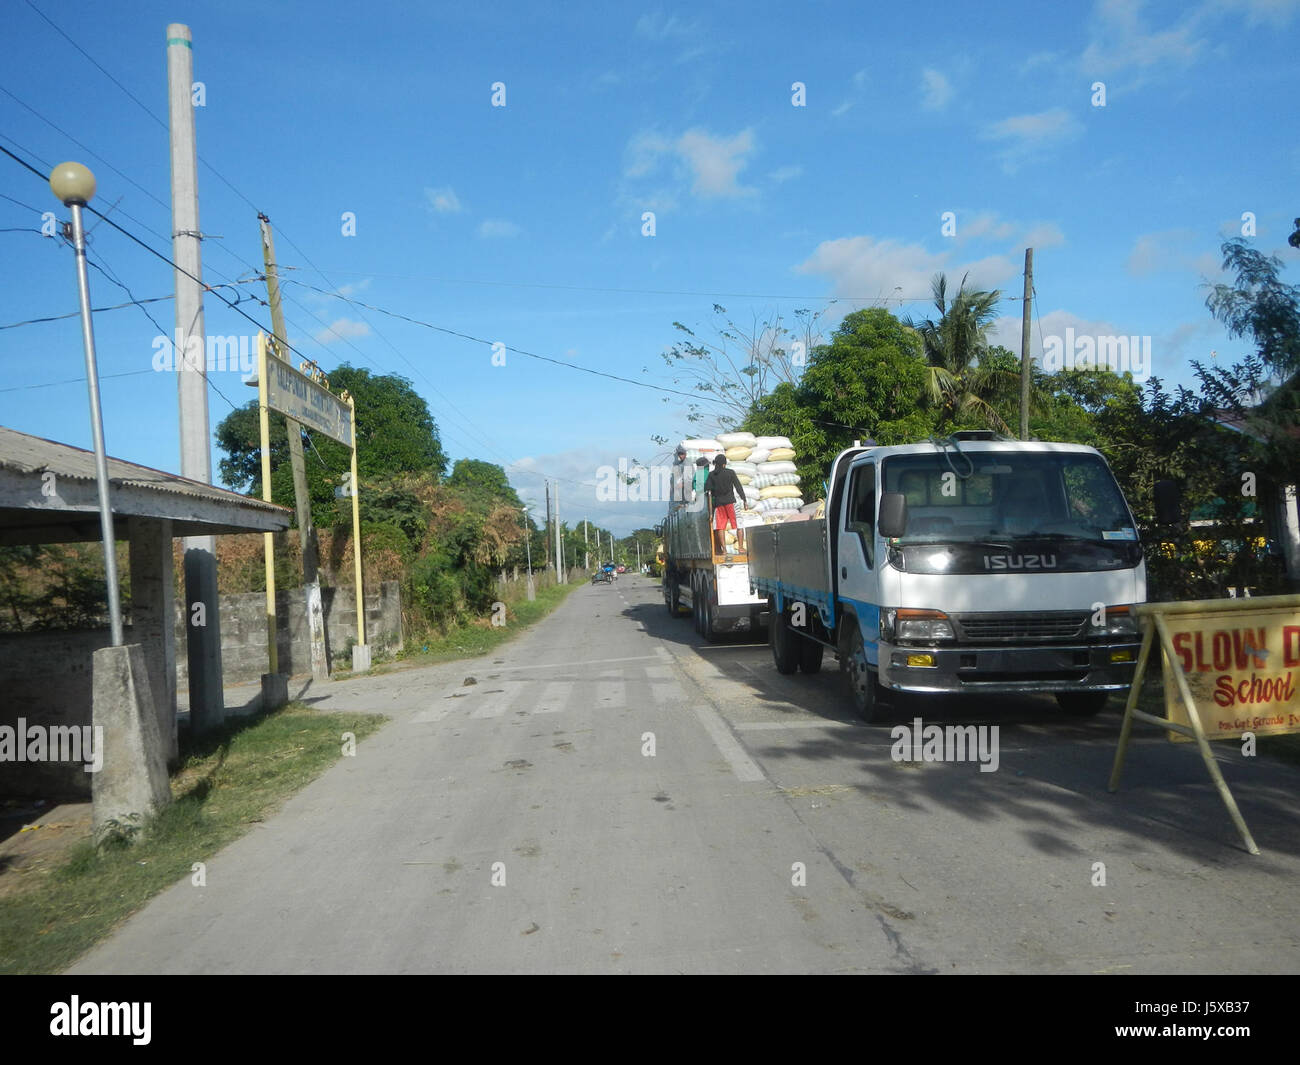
(1082, 667)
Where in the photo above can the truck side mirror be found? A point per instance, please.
(1168, 499)
(893, 515)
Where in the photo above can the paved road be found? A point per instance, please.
(615, 861)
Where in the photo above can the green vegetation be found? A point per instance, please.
(229, 781)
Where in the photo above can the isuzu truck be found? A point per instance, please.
(974, 564)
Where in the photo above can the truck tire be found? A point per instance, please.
(709, 628)
(1082, 704)
(697, 612)
(779, 637)
(810, 655)
(672, 596)
(860, 678)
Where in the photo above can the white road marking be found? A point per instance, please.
(554, 698)
(489, 670)
(727, 744)
(762, 726)
(611, 695)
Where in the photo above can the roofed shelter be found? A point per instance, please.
(48, 495)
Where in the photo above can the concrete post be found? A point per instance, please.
(132, 779)
(152, 614)
(203, 627)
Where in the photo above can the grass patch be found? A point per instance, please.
(228, 781)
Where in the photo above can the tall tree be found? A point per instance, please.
(395, 434)
(962, 383)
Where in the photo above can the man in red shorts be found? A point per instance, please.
(723, 488)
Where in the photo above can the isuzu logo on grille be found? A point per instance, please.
(1020, 562)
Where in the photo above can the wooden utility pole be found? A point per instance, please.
(301, 498)
(1026, 363)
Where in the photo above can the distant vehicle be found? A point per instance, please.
(622, 569)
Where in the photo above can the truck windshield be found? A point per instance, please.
(988, 502)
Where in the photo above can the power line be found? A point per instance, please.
(77, 314)
(517, 351)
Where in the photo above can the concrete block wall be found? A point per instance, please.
(46, 680)
(243, 630)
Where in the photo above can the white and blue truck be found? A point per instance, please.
(973, 564)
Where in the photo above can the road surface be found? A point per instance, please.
(518, 823)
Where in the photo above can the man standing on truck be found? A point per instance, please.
(680, 481)
(723, 487)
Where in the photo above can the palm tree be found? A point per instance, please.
(960, 382)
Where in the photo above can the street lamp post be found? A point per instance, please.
(74, 185)
(528, 546)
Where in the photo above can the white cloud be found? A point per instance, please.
(353, 289)
(869, 269)
(443, 200)
(714, 163)
(1121, 40)
(1043, 235)
(497, 227)
(785, 173)
(847, 105)
(1006, 331)
(1173, 250)
(658, 27)
(342, 329)
(935, 90)
(1028, 136)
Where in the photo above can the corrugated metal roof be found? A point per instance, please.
(33, 454)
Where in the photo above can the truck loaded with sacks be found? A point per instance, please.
(708, 578)
(974, 564)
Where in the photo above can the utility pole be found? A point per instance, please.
(559, 538)
(548, 522)
(638, 554)
(1026, 364)
(202, 607)
(586, 552)
(302, 501)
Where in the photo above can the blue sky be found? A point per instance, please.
(522, 224)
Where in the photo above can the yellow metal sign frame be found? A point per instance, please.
(1152, 617)
(268, 541)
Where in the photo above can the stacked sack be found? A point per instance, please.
(765, 468)
(776, 477)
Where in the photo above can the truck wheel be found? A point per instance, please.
(784, 653)
(810, 655)
(696, 606)
(861, 678)
(1082, 704)
(672, 596)
(710, 632)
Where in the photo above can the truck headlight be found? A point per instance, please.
(926, 625)
(1114, 621)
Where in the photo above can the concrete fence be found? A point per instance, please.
(243, 630)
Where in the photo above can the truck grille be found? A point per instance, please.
(1040, 625)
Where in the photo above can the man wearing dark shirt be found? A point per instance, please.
(724, 489)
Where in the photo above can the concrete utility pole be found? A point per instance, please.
(1026, 363)
(302, 501)
(586, 551)
(202, 607)
(548, 521)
